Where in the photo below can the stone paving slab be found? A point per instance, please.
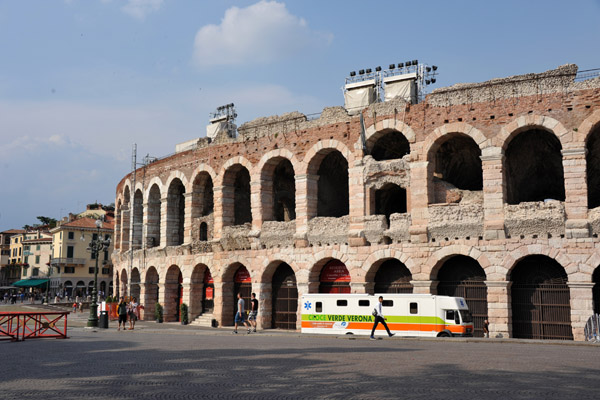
(175, 363)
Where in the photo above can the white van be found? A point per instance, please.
(407, 314)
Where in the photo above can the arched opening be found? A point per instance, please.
(90, 288)
(173, 293)
(332, 199)
(117, 243)
(125, 210)
(135, 283)
(202, 195)
(284, 192)
(242, 283)
(462, 276)
(151, 293)
(175, 213)
(389, 144)
(534, 170)
(236, 196)
(203, 234)
(68, 288)
(593, 168)
(541, 301)
(153, 218)
(110, 288)
(138, 216)
(596, 290)
(334, 278)
(80, 289)
(103, 288)
(393, 277)
(458, 162)
(123, 283)
(390, 199)
(285, 298)
(208, 294)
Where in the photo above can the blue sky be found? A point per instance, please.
(82, 80)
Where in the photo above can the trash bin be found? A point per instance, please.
(103, 322)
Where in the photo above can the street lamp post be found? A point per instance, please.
(95, 247)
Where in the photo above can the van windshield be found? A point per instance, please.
(466, 316)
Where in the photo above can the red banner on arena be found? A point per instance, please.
(208, 277)
(242, 276)
(208, 294)
(335, 271)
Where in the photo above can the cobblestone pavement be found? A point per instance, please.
(170, 362)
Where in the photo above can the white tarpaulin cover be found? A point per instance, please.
(403, 86)
(213, 129)
(359, 95)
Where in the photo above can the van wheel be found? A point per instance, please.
(443, 334)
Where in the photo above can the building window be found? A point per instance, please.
(37, 259)
(24, 271)
(69, 270)
(70, 251)
(105, 271)
(26, 259)
(37, 247)
(91, 270)
(71, 235)
(93, 255)
(35, 272)
(105, 255)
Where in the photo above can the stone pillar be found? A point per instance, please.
(303, 288)
(499, 308)
(358, 287)
(582, 306)
(224, 303)
(419, 200)
(162, 298)
(163, 222)
(256, 204)
(218, 212)
(424, 287)
(357, 204)
(187, 295)
(306, 206)
(264, 294)
(195, 299)
(494, 189)
(187, 223)
(574, 165)
(148, 300)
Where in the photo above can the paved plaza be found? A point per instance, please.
(168, 361)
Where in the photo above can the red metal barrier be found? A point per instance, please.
(18, 326)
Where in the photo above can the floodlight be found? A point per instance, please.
(392, 66)
(400, 65)
(378, 69)
(415, 62)
(428, 69)
(353, 73)
(369, 70)
(408, 63)
(434, 67)
(427, 81)
(361, 71)
(432, 80)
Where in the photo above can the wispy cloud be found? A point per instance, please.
(139, 9)
(258, 34)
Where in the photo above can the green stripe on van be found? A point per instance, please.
(401, 319)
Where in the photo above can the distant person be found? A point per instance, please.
(240, 318)
(74, 308)
(122, 311)
(378, 314)
(253, 312)
(486, 328)
(133, 312)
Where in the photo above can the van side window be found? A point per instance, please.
(388, 303)
(450, 315)
(342, 303)
(364, 303)
(318, 306)
(414, 308)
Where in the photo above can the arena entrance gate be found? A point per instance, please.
(242, 284)
(462, 276)
(541, 302)
(393, 277)
(208, 295)
(335, 278)
(285, 298)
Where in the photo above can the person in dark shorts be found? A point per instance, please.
(486, 329)
(379, 318)
(122, 311)
(253, 312)
(240, 317)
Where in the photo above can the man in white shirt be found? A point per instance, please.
(380, 318)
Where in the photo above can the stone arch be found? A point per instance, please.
(178, 175)
(531, 121)
(175, 212)
(236, 195)
(154, 181)
(202, 191)
(512, 258)
(198, 290)
(173, 293)
(151, 292)
(432, 141)
(331, 181)
(138, 219)
(135, 283)
(231, 162)
(369, 267)
(280, 304)
(230, 288)
(590, 135)
(437, 259)
(316, 153)
(391, 124)
(388, 144)
(153, 217)
(278, 187)
(123, 282)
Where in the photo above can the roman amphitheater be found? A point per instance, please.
(490, 191)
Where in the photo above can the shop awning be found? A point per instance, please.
(32, 283)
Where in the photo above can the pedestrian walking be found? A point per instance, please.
(253, 312)
(486, 328)
(240, 317)
(379, 317)
(122, 311)
(133, 312)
